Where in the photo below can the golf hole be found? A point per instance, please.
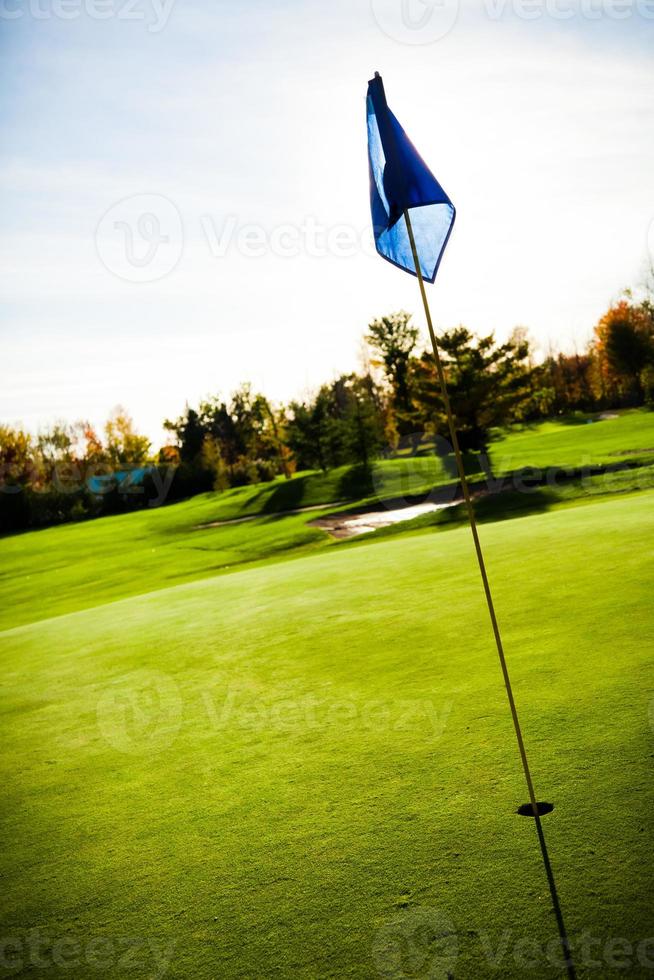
(526, 810)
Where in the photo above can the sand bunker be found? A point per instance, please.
(350, 524)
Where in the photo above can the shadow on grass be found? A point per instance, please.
(524, 490)
(473, 464)
(554, 476)
(511, 503)
(356, 483)
(580, 418)
(285, 496)
(491, 507)
(518, 494)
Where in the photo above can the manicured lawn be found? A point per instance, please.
(304, 768)
(57, 570)
(577, 442)
(77, 566)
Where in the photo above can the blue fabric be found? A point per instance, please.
(400, 180)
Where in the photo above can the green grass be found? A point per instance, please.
(50, 572)
(77, 566)
(285, 770)
(577, 442)
(525, 499)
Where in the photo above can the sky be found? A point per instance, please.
(184, 186)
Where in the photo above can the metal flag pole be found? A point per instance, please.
(565, 944)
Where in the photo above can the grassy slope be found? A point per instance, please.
(267, 837)
(77, 566)
(518, 503)
(576, 443)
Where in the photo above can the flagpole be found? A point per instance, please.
(489, 599)
(471, 518)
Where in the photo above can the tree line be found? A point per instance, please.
(70, 472)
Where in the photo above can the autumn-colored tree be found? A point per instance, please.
(125, 447)
(214, 462)
(56, 443)
(279, 428)
(91, 448)
(231, 443)
(565, 383)
(625, 348)
(168, 456)
(16, 459)
(252, 418)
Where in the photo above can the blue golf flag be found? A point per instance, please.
(399, 181)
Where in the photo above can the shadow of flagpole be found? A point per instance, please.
(565, 942)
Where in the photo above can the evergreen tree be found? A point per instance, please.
(488, 385)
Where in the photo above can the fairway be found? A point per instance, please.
(292, 769)
(76, 566)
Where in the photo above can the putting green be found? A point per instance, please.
(308, 768)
